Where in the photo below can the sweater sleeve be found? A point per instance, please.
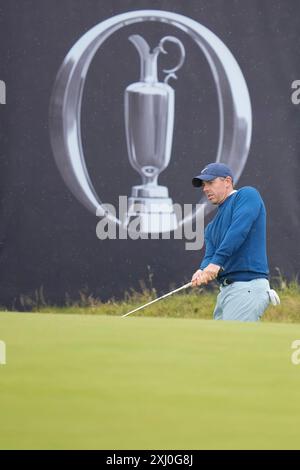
(245, 211)
(209, 252)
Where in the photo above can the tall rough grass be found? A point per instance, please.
(194, 303)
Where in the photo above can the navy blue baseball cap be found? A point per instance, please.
(212, 171)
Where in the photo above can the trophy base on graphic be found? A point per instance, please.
(150, 210)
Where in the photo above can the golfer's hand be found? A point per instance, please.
(204, 277)
(210, 272)
(196, 279)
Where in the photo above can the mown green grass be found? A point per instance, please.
(98, 381)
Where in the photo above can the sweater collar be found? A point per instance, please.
(227, 198)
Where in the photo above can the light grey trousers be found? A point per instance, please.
(243, 301)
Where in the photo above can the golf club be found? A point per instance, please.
(159, 298)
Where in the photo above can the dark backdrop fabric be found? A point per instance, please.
(48, 238)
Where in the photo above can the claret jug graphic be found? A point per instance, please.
(148, 110)
(149, 123)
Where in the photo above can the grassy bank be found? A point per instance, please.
(194, 303)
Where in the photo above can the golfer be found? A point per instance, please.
(235, 247)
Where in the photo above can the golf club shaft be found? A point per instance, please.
(159, 298)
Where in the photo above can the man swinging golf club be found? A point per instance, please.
(235, 247)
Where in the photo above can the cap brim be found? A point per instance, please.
(198, 180)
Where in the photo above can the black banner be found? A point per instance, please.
(232, 52)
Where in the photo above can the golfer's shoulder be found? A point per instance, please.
(248, 194)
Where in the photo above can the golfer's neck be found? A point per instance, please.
(230, 191)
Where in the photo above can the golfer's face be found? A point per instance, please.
(215, 190)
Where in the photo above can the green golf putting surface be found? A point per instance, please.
(99, 382)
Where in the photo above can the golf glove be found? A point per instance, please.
(274, 297)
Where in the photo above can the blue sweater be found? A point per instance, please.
(236, 237)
